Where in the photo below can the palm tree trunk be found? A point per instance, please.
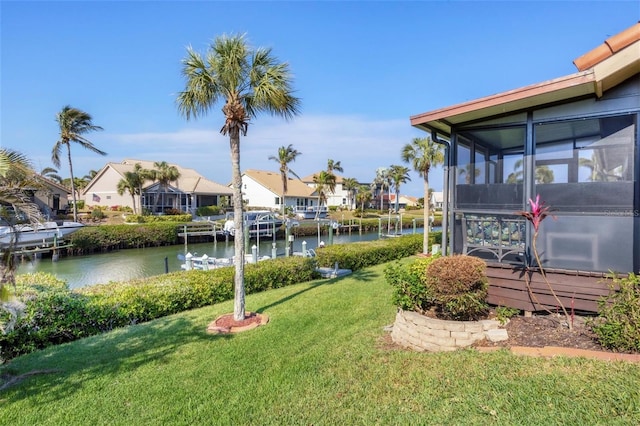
(238, 222)
(425, 241)
(73, 186)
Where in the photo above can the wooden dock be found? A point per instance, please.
(200, 230)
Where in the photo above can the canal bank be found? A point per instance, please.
(130, 264)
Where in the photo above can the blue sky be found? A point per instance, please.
(361, 69)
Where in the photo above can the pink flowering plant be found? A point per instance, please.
(539, 211)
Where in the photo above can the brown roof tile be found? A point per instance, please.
(273, 182)
(611, 45)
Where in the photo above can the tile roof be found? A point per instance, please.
(607, 49)
(273, 182)
(189, 181)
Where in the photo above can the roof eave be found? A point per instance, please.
(563, 88)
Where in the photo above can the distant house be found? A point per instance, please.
(339, 198)
(263, 189)
(190, 191)
(404, 201)
(437, 199)
(52, 199)
(574, 141)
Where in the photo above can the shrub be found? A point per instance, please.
(97, 214)
(108, 237)
(208, 211)
(410, 289)
(451, 287)
(136, 218)
(356, 256)
(460, 285)
(618, 323)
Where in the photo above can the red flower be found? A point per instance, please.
(538, 212)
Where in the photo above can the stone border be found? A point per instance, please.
(423, 333)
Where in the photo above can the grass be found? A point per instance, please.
(321, 360)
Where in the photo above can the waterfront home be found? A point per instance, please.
(263, 189)
(338, 198)
(572, 140)
(190, 191)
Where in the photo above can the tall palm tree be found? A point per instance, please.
(350, 185)
(382, 182)
(398, 175)
(334, 165)
(285, 156)
(249, 81)
(325, 182)
(163, 173)
(73, 124)
(130, 183)
(423, 153)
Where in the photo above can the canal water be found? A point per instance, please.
(125, 265)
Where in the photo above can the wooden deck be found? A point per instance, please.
(576, 289)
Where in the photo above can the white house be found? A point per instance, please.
(437, 199)
(336, 199)
(263, 189)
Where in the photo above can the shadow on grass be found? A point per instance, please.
(291, 296)
(125, 349)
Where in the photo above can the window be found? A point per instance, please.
(277, 201)
(586, 165)
(489, 168)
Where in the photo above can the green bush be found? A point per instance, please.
(208, 211)
(410, 291)
(97, 214)
(618, 323)
(356, 256)
(109, 237)
(460, 286)
(137, 218)
(451, 287)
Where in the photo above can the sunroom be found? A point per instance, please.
(572, 141)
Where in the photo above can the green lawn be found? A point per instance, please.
(320, 360)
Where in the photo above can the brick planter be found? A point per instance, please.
(423, 333)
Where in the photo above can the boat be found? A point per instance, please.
(260, 223)
(42, 234)
(311, 212)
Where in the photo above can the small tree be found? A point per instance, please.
(423, 153)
